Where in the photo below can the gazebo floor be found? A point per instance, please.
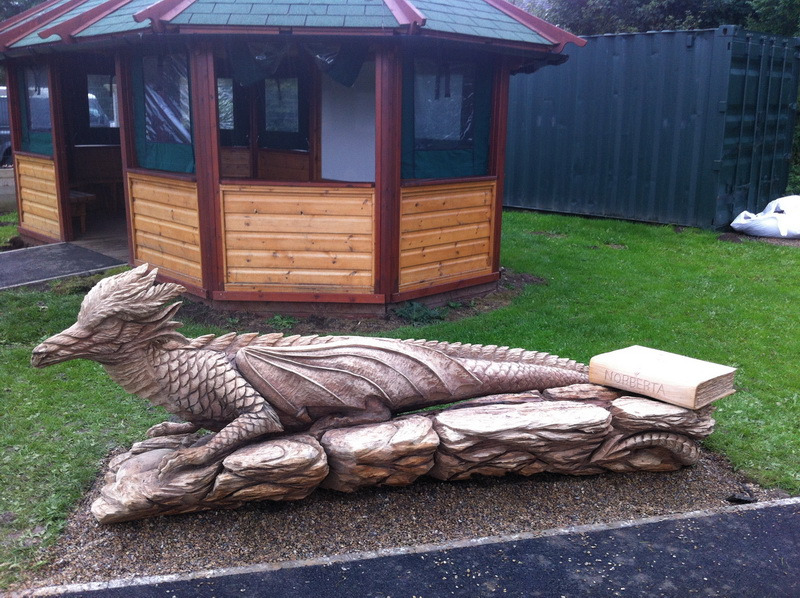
(107, 236)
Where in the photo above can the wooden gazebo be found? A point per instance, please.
(340, 152)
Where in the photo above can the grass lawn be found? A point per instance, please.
(609, 284)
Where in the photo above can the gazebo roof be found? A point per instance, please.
(68, 21)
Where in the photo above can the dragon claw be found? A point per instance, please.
(170, 428)
(157, 430)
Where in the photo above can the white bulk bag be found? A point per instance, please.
(780, 218)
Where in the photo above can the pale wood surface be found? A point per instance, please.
(287, 468)
(298, 239)
(526, 438)
(665, 376)
(160, 228)
(512, 433)
(438, 253)
(445, 233)
(455, 234)
(166, 225)
(394, 453)
(281, 241)
(638, 414)
(36, 184)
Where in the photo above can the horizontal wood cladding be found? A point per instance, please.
(445, 233)
(166, 225)
(38, 192)
(298, 239)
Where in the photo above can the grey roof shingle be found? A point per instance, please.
(474, 18)
(309, 13)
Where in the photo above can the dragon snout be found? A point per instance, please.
(56, 349)
(47, 354)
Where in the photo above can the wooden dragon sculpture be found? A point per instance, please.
(245, 386)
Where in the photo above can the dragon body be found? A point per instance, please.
(244, 386)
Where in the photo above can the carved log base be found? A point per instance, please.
(579, 430)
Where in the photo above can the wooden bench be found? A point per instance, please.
(78, 201)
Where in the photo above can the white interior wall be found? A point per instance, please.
(348, 128)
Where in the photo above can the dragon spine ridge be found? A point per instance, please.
(230, 343)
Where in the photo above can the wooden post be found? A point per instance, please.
(15, 120)
(206, 149)
(315, 123)
(127, 139)
(388, 131)
(60, 163)
(14, 102)
(497, 149)
(254, 132)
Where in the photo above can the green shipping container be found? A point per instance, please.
(681, 127)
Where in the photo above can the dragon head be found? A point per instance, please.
(120, 314)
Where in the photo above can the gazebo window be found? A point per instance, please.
(166, 89)
(446, 117)
(102, 96)
(282, 106)
(225, 111)
(163, 120)
(263, 107)
(285, 114)
(88, 101)
(37, 124)
(444, 106)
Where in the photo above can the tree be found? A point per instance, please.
(775, 16)
(592, 17)
(8, 8)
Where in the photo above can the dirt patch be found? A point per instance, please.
(608, 245)
(510, 285)
(548, 234)
(737, 238)
(13, 243)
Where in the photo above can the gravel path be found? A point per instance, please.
(329, 523)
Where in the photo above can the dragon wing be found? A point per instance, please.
(342, 374)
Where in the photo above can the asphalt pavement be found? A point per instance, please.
(31, 265)
(748, 551)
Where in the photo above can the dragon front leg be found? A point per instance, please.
(247, 426)
(219, 398)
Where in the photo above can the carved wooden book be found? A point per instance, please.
(668, 377)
